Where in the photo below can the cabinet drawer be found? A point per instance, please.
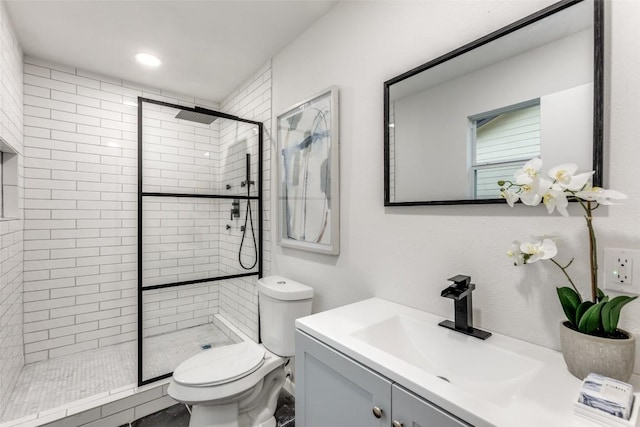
(333, 390)
(413, 411)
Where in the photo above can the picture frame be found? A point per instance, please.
(308, 174)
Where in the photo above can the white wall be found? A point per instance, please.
(11, 231)
(406, 254)
(562, 118)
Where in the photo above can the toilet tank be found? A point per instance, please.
(281, 302)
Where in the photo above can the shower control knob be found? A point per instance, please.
(377, 412)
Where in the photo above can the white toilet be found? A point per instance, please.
(238, 385)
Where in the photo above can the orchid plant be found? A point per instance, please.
(598, 315)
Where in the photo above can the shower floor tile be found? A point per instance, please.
(162, 353)
(64, 380)
(56, 382)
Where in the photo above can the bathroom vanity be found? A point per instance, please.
(333, 389)
(378, 363)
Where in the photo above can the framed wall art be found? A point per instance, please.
(308, 181)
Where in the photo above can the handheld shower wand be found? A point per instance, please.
(248, 219)
(248, 181)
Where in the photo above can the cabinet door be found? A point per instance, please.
(409, 410)
(332, 390)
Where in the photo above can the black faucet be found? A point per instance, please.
(461, 294)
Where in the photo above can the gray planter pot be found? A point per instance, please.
(584, 354)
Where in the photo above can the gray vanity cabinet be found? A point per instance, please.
(412, 410)
(332, 390)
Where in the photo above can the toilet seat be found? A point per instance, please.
(228, 391)
(220, 365)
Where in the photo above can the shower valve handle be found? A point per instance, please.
(235, 209)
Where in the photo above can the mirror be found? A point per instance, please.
(477, 114)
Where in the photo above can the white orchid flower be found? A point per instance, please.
(601, 195)
(510, 196)
(529, 172)
(539, 250)
(564, 176)
(516, 254)
(555, 199)
(531, 194)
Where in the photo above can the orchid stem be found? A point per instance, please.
(593, 256)
(564, 271)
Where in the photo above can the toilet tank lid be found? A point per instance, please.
(284, 289)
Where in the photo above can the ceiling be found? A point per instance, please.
(207, 47)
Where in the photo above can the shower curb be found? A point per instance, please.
(109, 409)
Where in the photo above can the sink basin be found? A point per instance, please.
(499, 382)
(475, 366)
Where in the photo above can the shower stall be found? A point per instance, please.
(199, 254)
(199, 216)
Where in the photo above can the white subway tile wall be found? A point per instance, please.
(179, 234)
(11, 231)
(179, 156)
(171, 309)
(77, 183)
(81, 208)
(239, 297)
(180, 239)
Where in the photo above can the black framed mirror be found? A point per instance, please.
(476, 114)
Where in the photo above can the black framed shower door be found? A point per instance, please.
(202, 198)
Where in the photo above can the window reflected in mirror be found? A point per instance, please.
(502, 142)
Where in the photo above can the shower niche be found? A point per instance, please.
(199, 224)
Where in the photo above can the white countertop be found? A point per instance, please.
(544, 399)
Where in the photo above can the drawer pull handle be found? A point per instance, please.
(396, 423)
(377, 412)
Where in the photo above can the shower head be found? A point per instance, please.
(194, 116)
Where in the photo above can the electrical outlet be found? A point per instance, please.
(619, 270)
(623, 270)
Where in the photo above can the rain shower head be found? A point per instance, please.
(194, 116)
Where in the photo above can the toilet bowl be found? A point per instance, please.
(223, 383)
(238, 385)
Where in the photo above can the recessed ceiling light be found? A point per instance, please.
(146, 59)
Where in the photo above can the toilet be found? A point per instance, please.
(238, 385)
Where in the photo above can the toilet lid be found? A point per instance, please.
(220, 365)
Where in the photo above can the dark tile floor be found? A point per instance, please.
(286, 410)
(178, 416)
(173, 416)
